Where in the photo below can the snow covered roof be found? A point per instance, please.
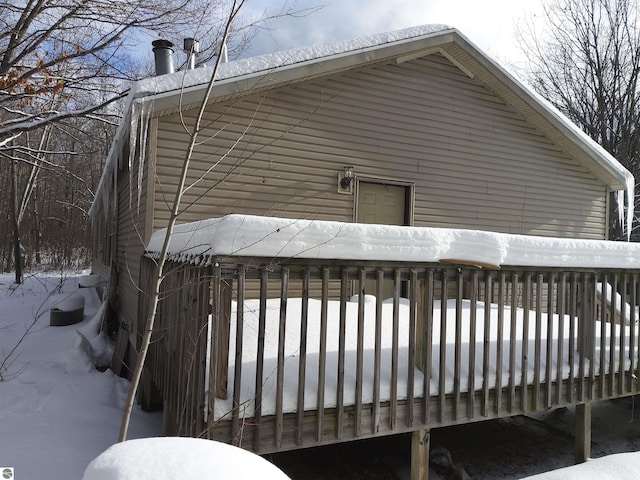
(269, 64)
(183, 89)
(271, 237)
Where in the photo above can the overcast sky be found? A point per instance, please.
(489, 24)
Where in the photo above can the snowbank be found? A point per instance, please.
(67, 303)
(246, 235)
(57, 411)
(623, 466)
(170, 458)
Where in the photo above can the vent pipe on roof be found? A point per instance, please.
(191, 47)
(222, 53)
(163, 53)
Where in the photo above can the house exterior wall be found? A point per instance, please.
(124, 234)
(473, 160)
(129, 252)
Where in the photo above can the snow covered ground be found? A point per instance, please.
(57, 412)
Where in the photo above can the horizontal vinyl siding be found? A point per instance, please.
(476, 162)
(99, 268)
(129, 250)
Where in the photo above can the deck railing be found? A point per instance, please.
(275, 354)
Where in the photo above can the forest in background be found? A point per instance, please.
(65, 67)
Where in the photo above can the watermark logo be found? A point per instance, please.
(7, 473)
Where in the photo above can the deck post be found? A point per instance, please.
(169, 422)
(222, 295)
(583, 432)
(420, 444)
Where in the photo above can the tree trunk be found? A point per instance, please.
(16, 222)
(37, 233)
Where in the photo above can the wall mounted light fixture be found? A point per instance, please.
(347, 178)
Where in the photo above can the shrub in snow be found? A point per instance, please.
(169, 458)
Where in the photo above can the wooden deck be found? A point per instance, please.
(196, 356)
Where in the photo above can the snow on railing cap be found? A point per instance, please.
(272, 237)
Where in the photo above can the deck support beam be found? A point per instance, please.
(420, 441)
(169, 422)
(583, 432)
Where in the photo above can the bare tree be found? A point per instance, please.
(65, 48)
(62, 60)
(586, 61)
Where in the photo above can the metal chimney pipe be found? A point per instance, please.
(191, 47)
(222, 52)
(163, 53)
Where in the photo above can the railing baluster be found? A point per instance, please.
(262, 320)
(413, 304)
(377, 350)
(573, 305)
(203, 315)
(562, 283)
(237, 368)
(473, 313)
(322, 360)
(428, 343)
(486, 363)
(636, 328)
(612, 334)
(632, 336)
(344, 286)
(302, 361)
(213, 348)
(193, 365)
(537, 342)
(393, 402)
(284, 292)
(604, 310)
(526, 301)
(458, 344)
(180, 351)
(513, 341)
(593, 317)
(623, 321)
(499, 343)
(360, 352)
(551, 286)
(442, 378)
(583, 334)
